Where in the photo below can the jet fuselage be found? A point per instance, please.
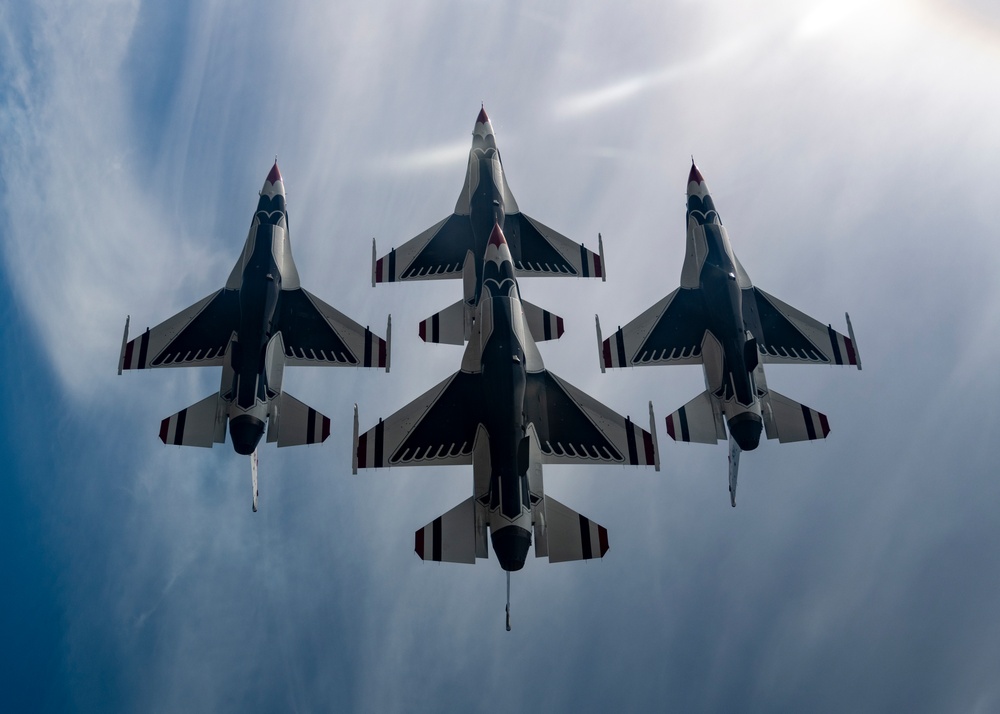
(486, 203)
(260, 293)
(723, 296)
(503, 368)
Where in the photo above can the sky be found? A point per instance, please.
(851, 151)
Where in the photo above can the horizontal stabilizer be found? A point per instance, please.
(292, 423)
(451, 326)
(543, 324)
(700, 421)
(787, 420)
(569, 536)
(458, 536)
(201, 424)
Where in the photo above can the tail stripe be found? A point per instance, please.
(143, 347)
(807, 417)
(851, 356)
(311, 427)
(436, 540)
(633, 454)
(602, 537)
(363, 451)
(835, 343)
(588, 552)
(379, 443)
(127, 362)
(647, 441)
(176, 421)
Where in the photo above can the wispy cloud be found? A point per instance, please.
(848, 181)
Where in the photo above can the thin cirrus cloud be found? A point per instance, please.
(855, 572)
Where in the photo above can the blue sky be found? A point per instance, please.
(851, 150)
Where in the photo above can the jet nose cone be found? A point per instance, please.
(696, 184)
(246, 432)
(746, 428)
(273, 184)
(482, 134)
(511, 546)
(275, 175)
(695, 175)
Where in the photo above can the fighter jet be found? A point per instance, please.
(506, 415)
(455, 247)
(718, 319)
(255, 326)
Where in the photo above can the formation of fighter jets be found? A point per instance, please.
(502, 412)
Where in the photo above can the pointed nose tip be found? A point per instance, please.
(695, 175)
(275, 175)
(482, 118)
